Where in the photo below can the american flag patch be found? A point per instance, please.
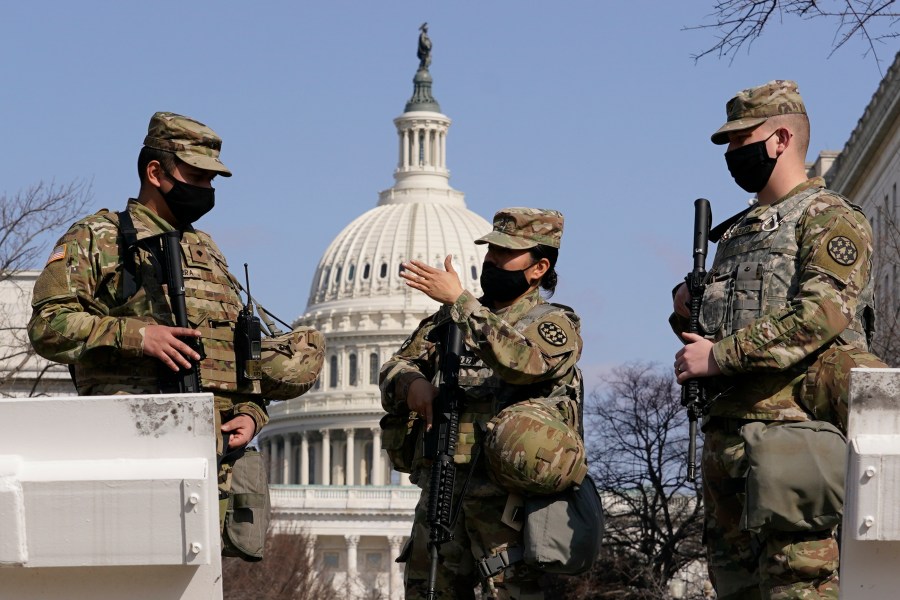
(58, 253)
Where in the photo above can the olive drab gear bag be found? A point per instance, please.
(246, 508)
(795, 478)
(562, 533)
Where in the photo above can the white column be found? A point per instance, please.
(326, 457)
(400, 150)
(352, 543)
(311, 547)
(406, 148)
(376, 467)
(287, 464)
(351, 467)
(404, 479)
(444, 149)
(397, 590)
(428, 142)
(304, 458)
(273, 459)
(415, 147)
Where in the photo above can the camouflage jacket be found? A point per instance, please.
(80, 316)
(789, 280)
(503, 363)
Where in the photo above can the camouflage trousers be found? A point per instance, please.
(746, 566)
(478, 532)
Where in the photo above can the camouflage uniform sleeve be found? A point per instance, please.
(547, 349)
(414, 360)
(835, 250)
(68, 322)
(255, 410)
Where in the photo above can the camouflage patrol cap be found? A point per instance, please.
(190, 140)
(523, 228)
(531, 449)
(753, 106)
(291, 362)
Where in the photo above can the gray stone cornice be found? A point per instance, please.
(871, 130)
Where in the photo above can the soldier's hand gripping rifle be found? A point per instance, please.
(693, 395)
(182, 381)
(440, 446)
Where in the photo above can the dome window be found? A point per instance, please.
(351, 272)
(337, 275)
(366, 271)
(383, 270)
(333, 372)
(474, 272)
(374, 367)
(353, 371)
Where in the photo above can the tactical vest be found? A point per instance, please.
(487, 394)
(755, 273)
(212, 307)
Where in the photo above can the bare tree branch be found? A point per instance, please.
(28, 217)
(741, 22)
(638, 449)
(28, 220)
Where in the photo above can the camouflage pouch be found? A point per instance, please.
(826, 388)
(399, 435)
(795, 477)
(248, 508)
(563, 532)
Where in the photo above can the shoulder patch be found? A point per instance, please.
(58, 253)
(553, 333)
(843, 250)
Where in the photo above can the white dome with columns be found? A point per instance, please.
(330, 477)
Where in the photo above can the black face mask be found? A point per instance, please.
(751, 166)
(502, 285)
(188, 202)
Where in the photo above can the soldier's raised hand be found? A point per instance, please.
(443, 286)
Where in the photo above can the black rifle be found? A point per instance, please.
(248, 340)
(693, 395)
(440, 446)
(182, 381)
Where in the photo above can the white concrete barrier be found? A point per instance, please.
(870, 543)
(109, 497)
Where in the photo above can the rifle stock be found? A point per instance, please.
(693, 396)
(440, 446)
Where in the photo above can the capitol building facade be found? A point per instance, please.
(330, 478)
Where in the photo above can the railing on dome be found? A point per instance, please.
(328, 402)
(344, 497)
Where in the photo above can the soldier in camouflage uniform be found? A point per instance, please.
(790, 282)
(514, 350)
(117, 344)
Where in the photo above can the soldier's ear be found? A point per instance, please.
(539, 269)
(154, 173)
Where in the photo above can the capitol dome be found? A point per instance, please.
(330, 477)
(361, 268)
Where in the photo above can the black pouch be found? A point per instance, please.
(248, 507)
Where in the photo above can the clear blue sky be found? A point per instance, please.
(593, 108)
